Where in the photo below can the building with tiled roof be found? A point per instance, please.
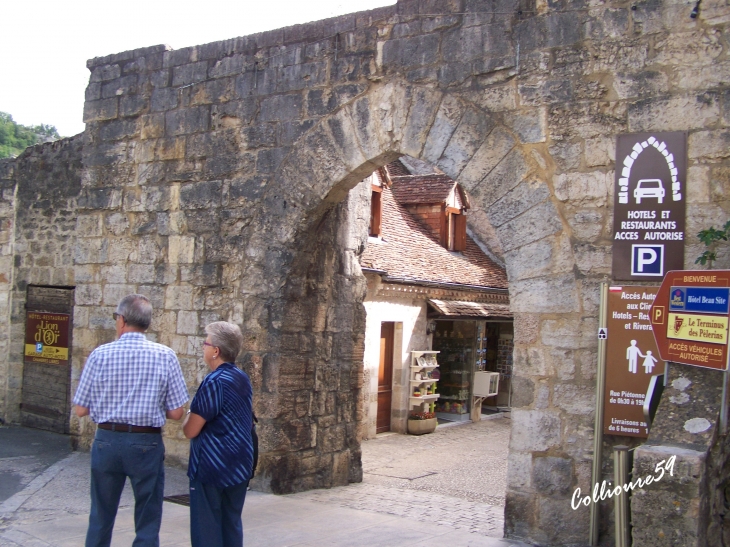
(430, 287)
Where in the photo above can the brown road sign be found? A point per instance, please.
(631, 360)
(649, 205)
(690, 317)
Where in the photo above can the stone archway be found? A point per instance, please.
(508, 181)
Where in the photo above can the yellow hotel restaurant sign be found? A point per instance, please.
(698, 328)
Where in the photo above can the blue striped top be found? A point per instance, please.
(222, 454)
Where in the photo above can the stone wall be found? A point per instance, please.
(212, 176)
(685, 508)
(39, 236)
(9, 389)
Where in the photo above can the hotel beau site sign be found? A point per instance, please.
(649, 205)
(690, 317)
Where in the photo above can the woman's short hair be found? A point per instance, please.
(227, 338)
(137, 310)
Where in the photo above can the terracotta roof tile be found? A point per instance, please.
(409, 251)
(397, 169)
(458, 308)
(414, 189)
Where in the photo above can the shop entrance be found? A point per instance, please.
(385, 376)
(467, 348)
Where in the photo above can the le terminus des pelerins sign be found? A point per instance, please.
(46, 338)
(690, 317)
(649, 205)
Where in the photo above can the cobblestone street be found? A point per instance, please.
(456, 476)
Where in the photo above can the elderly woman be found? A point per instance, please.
(221, 448)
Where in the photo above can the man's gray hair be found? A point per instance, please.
(227, 338)
(137, 310)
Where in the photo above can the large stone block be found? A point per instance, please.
(539, 222)
(552, 476)
(534, 430)
(565, 298)
(473, 128)
(676, 113)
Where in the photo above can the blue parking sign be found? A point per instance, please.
(647, 260)
(39, 347)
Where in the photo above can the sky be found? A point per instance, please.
(44, 45)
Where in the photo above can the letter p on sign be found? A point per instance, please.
(658, 318)
(647, 260)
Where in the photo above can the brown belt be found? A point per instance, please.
(126, 428)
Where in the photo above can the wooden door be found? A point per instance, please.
(385, 377)
(46, 397)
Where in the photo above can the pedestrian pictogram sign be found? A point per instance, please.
(631, 360)
(690, 318)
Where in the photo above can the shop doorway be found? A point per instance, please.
(385, 376)
(467, 349)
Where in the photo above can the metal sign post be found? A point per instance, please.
(598, 425)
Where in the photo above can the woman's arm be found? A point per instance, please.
(193, 425)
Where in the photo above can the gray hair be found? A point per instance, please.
(227, 338)
(137, 310)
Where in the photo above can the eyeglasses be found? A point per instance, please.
(116, 316)
(206, 343)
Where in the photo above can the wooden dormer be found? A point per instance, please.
(438, 202)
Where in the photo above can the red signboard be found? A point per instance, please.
(690, 317)
(46, 338)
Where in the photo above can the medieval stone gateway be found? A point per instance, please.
(213, 178)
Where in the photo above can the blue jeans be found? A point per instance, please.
(215, 515)
(114, 457)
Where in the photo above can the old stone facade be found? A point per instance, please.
(210, 178)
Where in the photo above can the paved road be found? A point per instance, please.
(24, 454)
(444, 488)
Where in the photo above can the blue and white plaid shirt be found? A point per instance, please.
(131, 381)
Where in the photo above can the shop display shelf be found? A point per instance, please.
(426, 397)
(426, 381)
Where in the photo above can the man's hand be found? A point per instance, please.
(81, 411)
(175, 414)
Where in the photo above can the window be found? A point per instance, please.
(455, 230)
(376, 211)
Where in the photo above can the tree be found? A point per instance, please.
(712, 238)
(14, 138)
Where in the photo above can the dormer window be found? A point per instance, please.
(376, 210)
(454, 237)
(456, 224)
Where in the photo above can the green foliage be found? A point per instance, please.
(14, 138)
(712, 238)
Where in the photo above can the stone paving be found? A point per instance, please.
(447, 487)
(455, 476)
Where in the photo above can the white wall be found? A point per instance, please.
(410, 334)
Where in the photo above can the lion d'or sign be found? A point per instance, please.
(46, 338)
(649, 205)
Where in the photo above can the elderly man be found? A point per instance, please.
(129, 387)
